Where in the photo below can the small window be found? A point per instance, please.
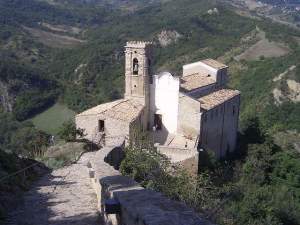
(101, 125)
(233, 110)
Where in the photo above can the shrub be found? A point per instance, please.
(68, 131)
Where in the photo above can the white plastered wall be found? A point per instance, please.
(164, 94)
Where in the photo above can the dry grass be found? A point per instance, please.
(63, 154)
(252, 4)
(54, 40)
(288, 138)
(62, 28)
(263, 47)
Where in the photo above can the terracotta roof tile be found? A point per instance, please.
(127, 110)
(100, 108)
(123, 109)
(195, 81)
(216, 98)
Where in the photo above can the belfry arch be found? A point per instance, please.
(135, 66)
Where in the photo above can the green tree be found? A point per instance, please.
(68, 131)
(29, 142)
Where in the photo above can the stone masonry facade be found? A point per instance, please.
(190, 113)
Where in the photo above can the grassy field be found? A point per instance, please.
(265, 48)
(51, 120)
(54, 40)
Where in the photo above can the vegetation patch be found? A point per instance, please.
(53, 118)
(264, 48)
(61, 28)
(16, 176)
(54, 40)
(63, 154)
(257, 185)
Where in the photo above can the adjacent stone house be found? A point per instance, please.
(184, 114)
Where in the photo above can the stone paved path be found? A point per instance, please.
(63, 197)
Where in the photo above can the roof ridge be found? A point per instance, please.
(205, 100)
(120, 101)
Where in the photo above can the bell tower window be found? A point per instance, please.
(135, 66)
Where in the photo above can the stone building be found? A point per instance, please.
(184, 114)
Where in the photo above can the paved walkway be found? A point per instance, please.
(63, 197)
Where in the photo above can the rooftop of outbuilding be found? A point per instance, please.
(194, 81)
(216, 98)
(123, 109)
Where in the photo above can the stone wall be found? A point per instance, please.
(189, 116)
(200, 92)
(220, 127)
(113, 128)
(169, 150)
(187, 158)
(137, 85)
(137, 206)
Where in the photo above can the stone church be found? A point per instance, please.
(186, 114)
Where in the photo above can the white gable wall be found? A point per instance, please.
(199, 67)
(164, 94)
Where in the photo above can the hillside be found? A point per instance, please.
(70, 53)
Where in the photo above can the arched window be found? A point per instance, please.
(135, 66)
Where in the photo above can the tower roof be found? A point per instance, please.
(138, 44)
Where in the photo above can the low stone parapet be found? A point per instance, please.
(188, 158)
(121, 200)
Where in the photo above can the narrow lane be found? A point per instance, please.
(63, 197)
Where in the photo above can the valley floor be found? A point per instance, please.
(63, 197)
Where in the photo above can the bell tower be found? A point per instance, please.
(137, 70)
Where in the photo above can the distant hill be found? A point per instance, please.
(281, 2)
(90, 71)
(71, 51)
